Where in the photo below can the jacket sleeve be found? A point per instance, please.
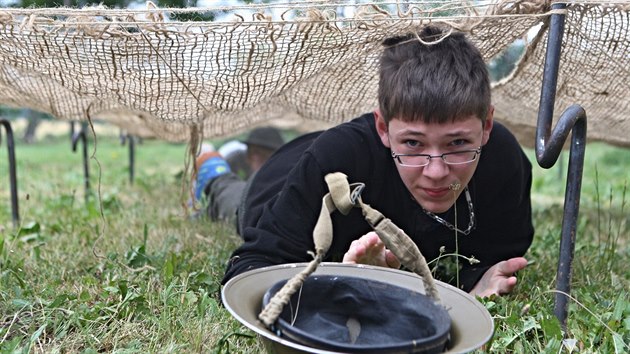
(290, 188)
(511, 237)
(283, 231)
(503, 209)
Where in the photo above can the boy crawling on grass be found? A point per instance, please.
(433, 130)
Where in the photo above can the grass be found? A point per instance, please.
(133, 274)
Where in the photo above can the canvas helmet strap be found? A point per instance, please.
(343, 196)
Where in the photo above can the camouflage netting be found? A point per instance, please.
(308, 61)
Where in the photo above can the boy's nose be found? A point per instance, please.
(436, 168)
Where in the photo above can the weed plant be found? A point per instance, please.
(127, 271)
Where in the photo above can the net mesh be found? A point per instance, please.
(307, 61)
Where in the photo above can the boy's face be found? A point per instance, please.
(429, 185)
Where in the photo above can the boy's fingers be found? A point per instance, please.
(391, 260)
(507, 285)
(512, 265)
(357, 250)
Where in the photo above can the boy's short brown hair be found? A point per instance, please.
(439, 79)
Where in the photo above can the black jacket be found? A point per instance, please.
(284, 202)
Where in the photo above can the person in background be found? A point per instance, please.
(433, 161)
(235, 154)
(222, 179)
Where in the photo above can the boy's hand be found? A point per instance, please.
(499, 279)
(369, 249)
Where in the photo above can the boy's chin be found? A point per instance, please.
(436, 208)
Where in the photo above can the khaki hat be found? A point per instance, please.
(349, 314)
(472, 325)
(266, 137)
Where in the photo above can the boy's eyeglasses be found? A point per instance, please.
(449, 158)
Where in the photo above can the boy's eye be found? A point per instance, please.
(459, 142)
(412, 143)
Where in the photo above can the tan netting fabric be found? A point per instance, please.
(307, 60)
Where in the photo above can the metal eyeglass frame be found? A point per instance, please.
(477, 152)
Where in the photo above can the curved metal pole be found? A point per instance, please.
(549, 146)
(15, 213)
(80, 135)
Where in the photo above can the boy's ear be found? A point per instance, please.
(381, 128)
(487, 128)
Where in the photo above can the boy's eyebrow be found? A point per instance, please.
(412, 132)
(454, 133)
(460, 133)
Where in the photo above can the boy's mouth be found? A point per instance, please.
(436, 192)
